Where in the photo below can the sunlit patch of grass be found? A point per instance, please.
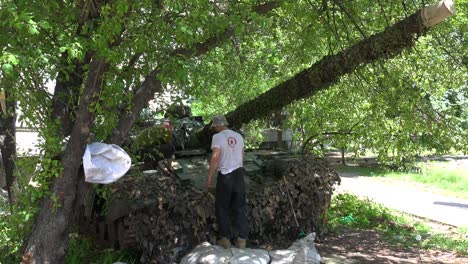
(350, 211)
(441, 175)
(362, 171)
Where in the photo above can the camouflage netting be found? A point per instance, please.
(168, 218)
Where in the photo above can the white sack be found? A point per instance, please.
(305, 250)
(282, 256)
(219, 256)
(207, 253)
(249, 256)
(105, 163)
(300, 252)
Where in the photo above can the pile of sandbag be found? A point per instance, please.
(301, 251)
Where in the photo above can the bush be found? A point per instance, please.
(349, 210)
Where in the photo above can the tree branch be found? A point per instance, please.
(152, 84)
(343, 9)
(327, 71)
(346, 132)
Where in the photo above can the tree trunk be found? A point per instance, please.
(8, 148)
(326, 72)
(49, 240)
(66, 92)
(343, 156)
(145, 93)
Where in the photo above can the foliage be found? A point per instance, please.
(398, 108)
(10, 238)
(349, 211)
(82, 251)
(152, 136)
(413, 103)
(15, 226)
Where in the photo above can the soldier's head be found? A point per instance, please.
(219, 123)
(167, 124)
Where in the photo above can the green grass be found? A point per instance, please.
(12, 232)
(81, 250)
(362, 171)
(348, 211)
(441, 175)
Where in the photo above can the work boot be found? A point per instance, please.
(224, 242)
(240, 243)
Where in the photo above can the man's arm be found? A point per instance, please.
(213, 165)
(169, 165)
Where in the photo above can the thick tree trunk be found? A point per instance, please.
(69, 80)
(8, 148)
(49, 240)
(66, 94)
(327, 71)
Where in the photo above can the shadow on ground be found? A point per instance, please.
(368, 246)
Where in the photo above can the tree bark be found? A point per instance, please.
(343, 156)
(49, 240)
(326, 72)
(66, 94)
(8, 148)
(144, 94)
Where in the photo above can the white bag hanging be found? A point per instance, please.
(105, 163)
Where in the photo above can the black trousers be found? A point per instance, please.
(230, 199)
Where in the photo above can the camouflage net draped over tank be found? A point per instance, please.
(168, 218)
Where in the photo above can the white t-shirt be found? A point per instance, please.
(231, 144)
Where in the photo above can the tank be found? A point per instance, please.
(162, 216)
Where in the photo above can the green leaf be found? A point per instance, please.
(12, 59)
(7, 68)
(45, 25)
(33, 30)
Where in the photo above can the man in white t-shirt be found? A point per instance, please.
(228, 156)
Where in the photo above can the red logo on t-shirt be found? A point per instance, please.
(231, 142)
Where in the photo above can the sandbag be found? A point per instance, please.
(282, 256)
(305, 250)
(301, 251)
(206, 252)
(105, 163)
(249, 256)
